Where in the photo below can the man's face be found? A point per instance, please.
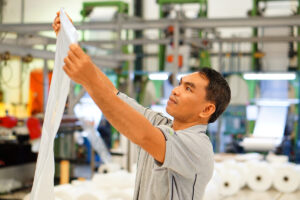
(188, 99)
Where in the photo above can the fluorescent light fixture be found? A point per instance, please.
(162, 76)
(269, 76)
(179, 76)
(276, 102)
(159, 76)
(273, 103)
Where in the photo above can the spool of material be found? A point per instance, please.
(259, 176)
(230, 182)
(249, 157)
(88, 195)
(260, 196)
(212, 190)
(64, 171)
(120, 180)
(120, 194)
(297, 168)
(243, 170)
(239, 167)
(109, 168)
(290, 196)
(64, 192)
(286, 179)
(277, 159)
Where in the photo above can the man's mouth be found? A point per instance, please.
(172, 100)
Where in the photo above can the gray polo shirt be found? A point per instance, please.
(188, 164)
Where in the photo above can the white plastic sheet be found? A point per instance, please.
(43, 185)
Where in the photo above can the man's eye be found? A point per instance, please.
(188, 89)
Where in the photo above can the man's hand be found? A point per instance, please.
(79, 66)
(56, 22)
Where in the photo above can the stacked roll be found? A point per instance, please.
(286, 179)
(259, 176)
(230, 178)
(212, 190)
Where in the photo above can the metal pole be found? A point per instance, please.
(176, 50)
(297, 137)
(22, 11)
(21, 80)
(1, 10)
(119, 32)
(130, 90)
(220, 57)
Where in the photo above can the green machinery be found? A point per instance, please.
(123, 8)
(204, 57)
(256, 67)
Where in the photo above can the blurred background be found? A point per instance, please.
(145, 47)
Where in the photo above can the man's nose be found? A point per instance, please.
(175, 91)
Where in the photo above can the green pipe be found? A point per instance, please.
(254, 61)
(204, 56)
(162, 48)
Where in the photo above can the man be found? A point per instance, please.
(176, 157)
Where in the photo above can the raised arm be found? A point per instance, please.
(127, 120)
(123, 117)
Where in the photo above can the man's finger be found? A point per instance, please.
(57, 20)
(72, 57)
(68, 62)
(67, 70)
(77, 51)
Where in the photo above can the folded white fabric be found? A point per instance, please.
(43, 185)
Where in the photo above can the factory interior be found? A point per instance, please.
(145, 47)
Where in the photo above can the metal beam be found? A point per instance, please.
(24, 51)
(34, 40)
(134, 24)
(256, 39)
(100, 61)
(242, 22)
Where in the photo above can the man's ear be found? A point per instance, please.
(208, 110)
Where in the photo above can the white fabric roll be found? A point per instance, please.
(230, 182)
(243, 170)
(260, 196)
(279, 159)
(249, 157)
(290, 196)
(297, 168)
(238, 166)
(89, 195)
(259, 176)
(109, 167)
(286, 178)
(64, 192)
(212, 190)
(119, 179)
(120, 195)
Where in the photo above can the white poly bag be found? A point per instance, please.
(43, 185)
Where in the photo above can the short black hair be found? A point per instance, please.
(217, 91)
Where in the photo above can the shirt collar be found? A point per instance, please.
(199, 128)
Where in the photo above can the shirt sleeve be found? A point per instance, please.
(186, 154)
(155, 118)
